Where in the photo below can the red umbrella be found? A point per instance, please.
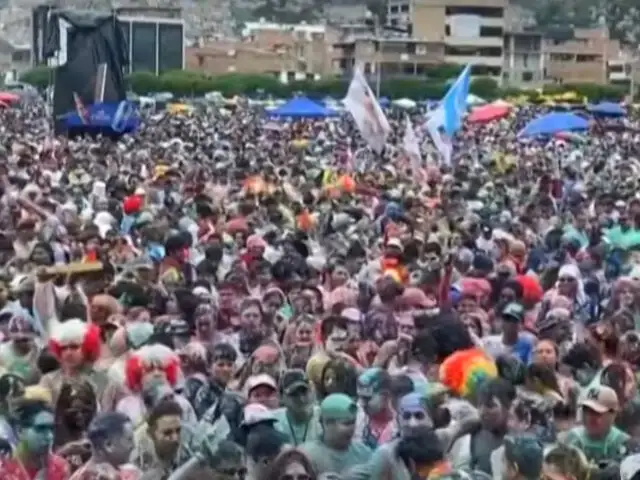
(8, 97)
(488, 113)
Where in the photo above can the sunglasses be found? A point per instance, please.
(406, 416)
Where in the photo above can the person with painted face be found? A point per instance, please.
(11, 390)
(111, 437)
(412, 415)
(299, 419)
(473, 451)
(374, 394)
(20, 353)
(336, 451)
(163, 446)
(213, 398)
(77, 345)
(523, 458)
(32, 457)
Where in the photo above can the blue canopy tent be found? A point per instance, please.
(607, 109)
(112, 119)
(553, 123)
(301, 107)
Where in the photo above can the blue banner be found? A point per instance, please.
(121, 117)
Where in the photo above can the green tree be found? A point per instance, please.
(39, 77)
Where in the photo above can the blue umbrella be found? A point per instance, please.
(553, 123)
(607, 109)
(384, 101)
(301, 107)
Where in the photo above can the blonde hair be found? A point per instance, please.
(569, 460)
(38, 392)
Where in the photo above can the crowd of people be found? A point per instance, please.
(229, 297)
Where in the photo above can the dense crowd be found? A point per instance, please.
(227, 296)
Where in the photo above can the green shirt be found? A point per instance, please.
(298, 433)
(612, 447)
(328, 460)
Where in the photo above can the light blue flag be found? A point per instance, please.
(454, 102)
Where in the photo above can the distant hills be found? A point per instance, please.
(621, 16)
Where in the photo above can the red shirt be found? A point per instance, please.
(12, 469)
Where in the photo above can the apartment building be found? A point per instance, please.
(624, 68)
(580, 56)
(288, 51)
(524, 59)
(393, 56)
(472, 31)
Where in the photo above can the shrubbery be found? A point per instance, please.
(188, 83)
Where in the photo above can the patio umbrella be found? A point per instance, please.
(474, 100)
(8, 97)
(607, 109)
(502, 103)
(553, 123)
(488, 113)
(404, 103)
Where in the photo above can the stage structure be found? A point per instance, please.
(154, 37)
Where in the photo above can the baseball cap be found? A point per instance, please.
(513, 311)
(293, 380)
(259, 380)
(395, 242)
(255, 413)
(526, 452)
(601, 399)
(630, 467)
(338, 406)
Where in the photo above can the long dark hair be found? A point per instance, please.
(279, 466)
(85, 394)
(345, 380)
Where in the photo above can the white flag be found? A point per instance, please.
(369, 117)
(411, 148)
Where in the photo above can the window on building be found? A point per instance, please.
(561, 57)
(491, 31)
(447, 30)
(404, 8)
(473, 51)
(393, 9)
(488, 12)
(367, 68)
(421, 49)
(527, 76)
(343, 63)
(143, 47)
(411, 48)
(486, 71)
(408, 69)
(525, 60)
(586, 58)
(170, 47)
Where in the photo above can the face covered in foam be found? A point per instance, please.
(38, 435)
(413, 414)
